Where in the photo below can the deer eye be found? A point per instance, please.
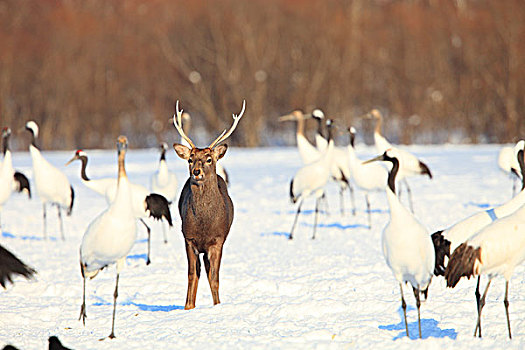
(190, 161)
(208, 160)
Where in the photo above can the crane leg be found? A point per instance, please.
(316, 215)
(352, 198)
(368, 212)
(478, 298)
(149, 240)
(44, 216)
(61, 222)
(342, 200)
(481, 304)
(418, 304)
(404, 306)
(83, 314)
(295, 220)
(115, 295)
(164, 232)
(506, 303)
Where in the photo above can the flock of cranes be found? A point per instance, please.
(491, 242)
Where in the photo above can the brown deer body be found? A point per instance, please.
(206, 210)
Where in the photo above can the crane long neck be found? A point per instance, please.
(163, 155)
(300, 126)
(521, 161)
(352, 139)
(379, 123)
(6, 144)
(320, 130)
(121, 167)
(392, 175)
(83, 174)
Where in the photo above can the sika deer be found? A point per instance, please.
(205, 208)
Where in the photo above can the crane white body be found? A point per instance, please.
(448, 240)
(111, 235)
(407, 246)
(6, 179)
(370, 177)
(495, 250)
(143, 203)
(52, 184)
(311, 179)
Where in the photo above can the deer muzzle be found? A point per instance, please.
(197, 174)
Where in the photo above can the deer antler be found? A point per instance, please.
(226, 133)
(177, 122)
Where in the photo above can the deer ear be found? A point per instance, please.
(182, 151)
(219, 151)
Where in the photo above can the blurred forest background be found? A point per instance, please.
(88, 70)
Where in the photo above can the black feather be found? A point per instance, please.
(424, 169)
(55, 344)
(22, 183)
(10, 265)
(70, 209)
(292, 197)
(442, 249)
(158, 207)
(461, 264)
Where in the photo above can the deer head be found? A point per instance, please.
(202, 161)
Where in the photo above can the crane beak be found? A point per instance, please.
(286, 118)
(380, 157)
(71, 160)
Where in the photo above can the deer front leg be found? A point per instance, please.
(212, 263)
(194, 271)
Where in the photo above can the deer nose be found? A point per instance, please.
(196, 172)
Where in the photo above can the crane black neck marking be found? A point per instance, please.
(320, 127)
(521, 161)
(83, 174)
(5, 147)
(393, 173)
(163, 155)
(352, 139)
(33, 138)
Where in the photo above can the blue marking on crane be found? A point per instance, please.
(492, 214)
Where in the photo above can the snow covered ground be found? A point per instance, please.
(332, 292)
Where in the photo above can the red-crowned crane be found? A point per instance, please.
(340, 168)
(407, 246)
(446, 241)
(110, 236)
(145, 204)
(410, 164)
(10, 180)
(311, 179)
(480, 231)
(496, 250)
(369, 177)
(51, 184)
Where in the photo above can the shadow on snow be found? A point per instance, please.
(429, 328)
(28, 238)
(142, 307)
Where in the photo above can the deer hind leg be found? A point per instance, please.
(194, 271)
(212, 263)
